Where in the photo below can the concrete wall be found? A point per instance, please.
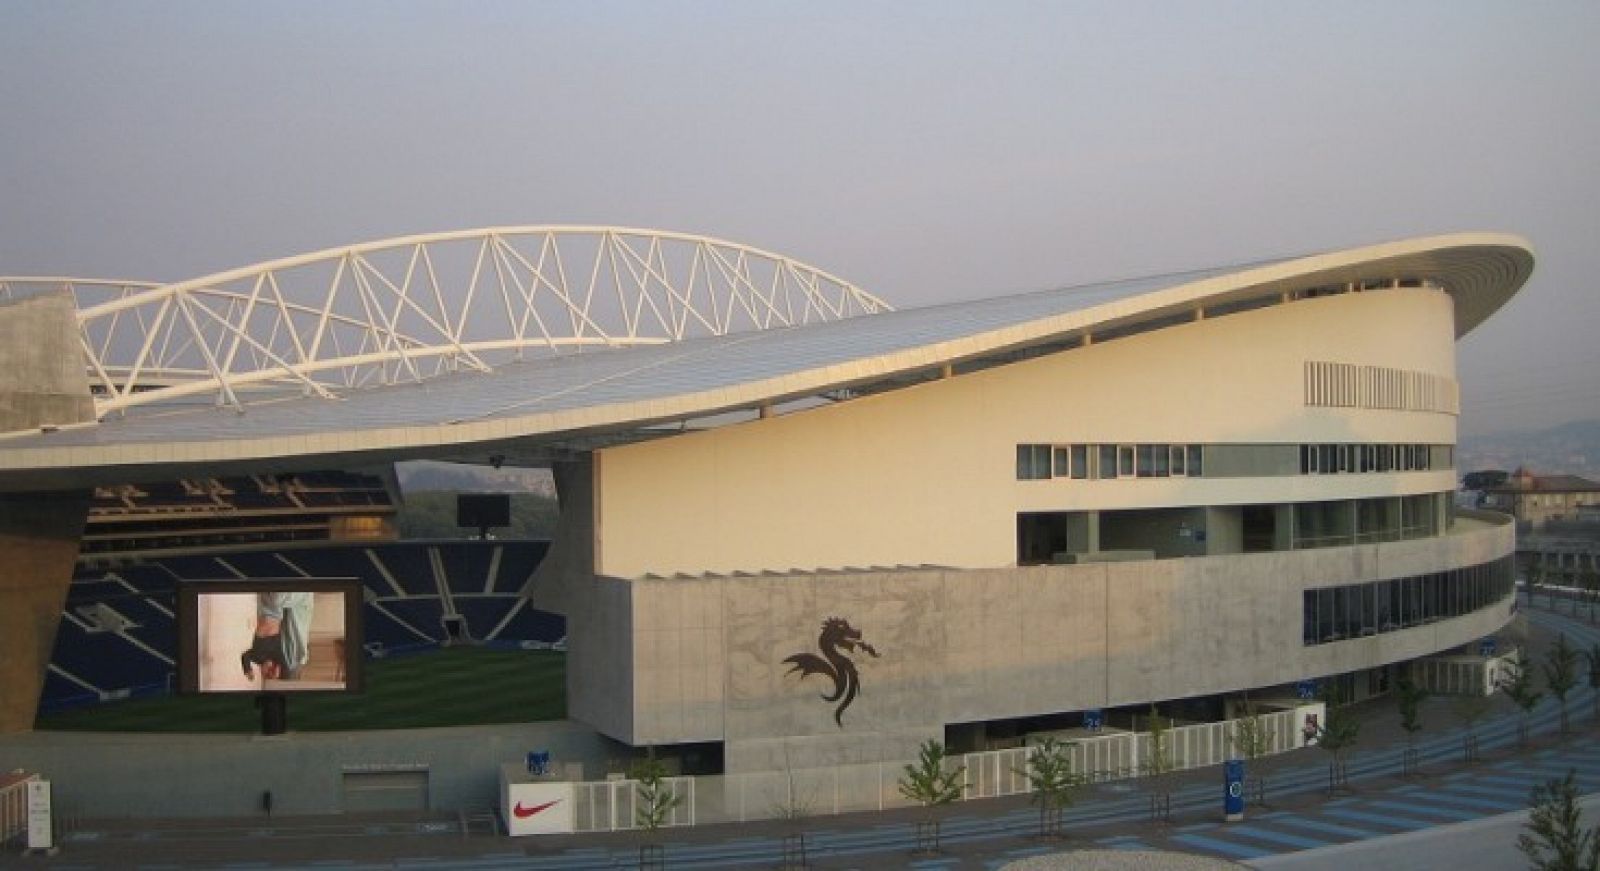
(708, 655)
(42, 379)
(926, 475)
(42, 382)
(128, 775)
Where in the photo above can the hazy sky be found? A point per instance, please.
(925, 151)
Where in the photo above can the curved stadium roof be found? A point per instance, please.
(580, 399)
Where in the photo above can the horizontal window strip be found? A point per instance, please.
(1349, 611)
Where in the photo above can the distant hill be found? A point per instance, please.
(425, 475)
(1569, 449)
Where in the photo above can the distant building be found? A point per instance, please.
(1537, 499)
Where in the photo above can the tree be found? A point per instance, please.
(1336, 734)
(1593, 655)
(1556, 840)
(1052, 782)
(1470, 709)
(1561, 674)
(1251, 738)
(654, 802)
(928, 783)
(793, 809)
(1157, 762)
(1410, 698)
(1517, 684)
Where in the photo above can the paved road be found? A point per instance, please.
(976, 835)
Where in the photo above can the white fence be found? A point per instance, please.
(1465, 675)
(14, 807)
(613, 805)
(735, 798)
(1120, 755)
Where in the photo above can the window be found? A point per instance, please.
(1195, 467)
(1175, 455)
(1354, 610)
(1147, 461)
(1108, 462)
(1063, 463)
(1125, 465)
(1033, 462)
(1080, 461)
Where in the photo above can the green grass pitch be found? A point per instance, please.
(455, 686)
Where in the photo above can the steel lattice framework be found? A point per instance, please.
(414, 307)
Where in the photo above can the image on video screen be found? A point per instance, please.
(270, 641)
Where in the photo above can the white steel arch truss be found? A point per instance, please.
(415, 307)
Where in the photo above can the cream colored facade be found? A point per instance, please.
(926, 475)
(722, 552)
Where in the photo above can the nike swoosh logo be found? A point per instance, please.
(523, 813)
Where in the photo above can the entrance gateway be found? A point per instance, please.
(384, 791)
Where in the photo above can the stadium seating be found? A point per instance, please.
(517, 565)
(194, 568)
(107, 660)
(531, 624)
(393, 622)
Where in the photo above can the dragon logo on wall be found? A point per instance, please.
(837, 639)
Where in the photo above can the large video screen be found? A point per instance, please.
(280, 636)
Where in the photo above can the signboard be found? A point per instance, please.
(1094, 719)
(1233, 790)
(539, 762)
(1486, 646)
(536, 807)
(1305, 690)
(39, 834)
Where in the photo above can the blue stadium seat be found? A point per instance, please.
(106, 660)
(384, 630)
(196, 568)
(531, 624)
(408, 563)
(483, 613)
(257, 564)
(422, 613)
(466, 564)
(517, 564)
(60, 694)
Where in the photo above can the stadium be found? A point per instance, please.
(799, 529)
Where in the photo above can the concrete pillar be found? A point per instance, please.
(39, 535)
(570, 562)
(42, 381)
(1283, 526)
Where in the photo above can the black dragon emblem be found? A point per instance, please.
(838, 638)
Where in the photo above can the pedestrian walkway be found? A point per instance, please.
(1495, 788)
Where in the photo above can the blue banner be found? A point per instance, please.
(1233, 791)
